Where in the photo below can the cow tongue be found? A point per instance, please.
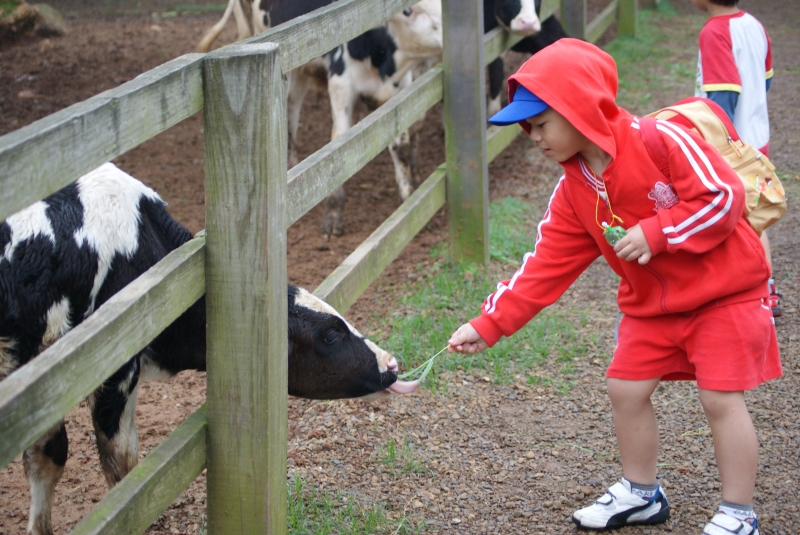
(404, 387)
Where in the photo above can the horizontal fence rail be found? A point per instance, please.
(43, 157)
(138, 500)
(36, 396)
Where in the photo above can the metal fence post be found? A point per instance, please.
(245, 168)
(465, 131)
(573, 18)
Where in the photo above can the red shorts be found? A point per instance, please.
(729, 348)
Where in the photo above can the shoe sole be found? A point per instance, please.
(659, 518)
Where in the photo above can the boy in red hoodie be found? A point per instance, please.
(688, 314)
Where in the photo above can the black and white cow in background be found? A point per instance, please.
(63, 257)
(374, 66)
(518, 17)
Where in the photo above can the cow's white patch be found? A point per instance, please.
(110, 199)
(8, 363)
(57, 323)
(152, 371)
(26, 224)
(526, 22)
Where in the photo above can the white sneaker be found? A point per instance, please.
(723, 524)
(620, 507)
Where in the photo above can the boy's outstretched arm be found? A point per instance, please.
(466, 340)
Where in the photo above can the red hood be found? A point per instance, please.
(579, 81)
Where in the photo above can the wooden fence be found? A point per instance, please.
(239, 262)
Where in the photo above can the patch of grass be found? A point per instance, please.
(405, 461)
(312, 512)
(659, 65)
(432, 308)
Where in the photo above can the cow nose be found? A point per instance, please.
(527, 25)
(392, 365)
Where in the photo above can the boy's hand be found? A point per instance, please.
(634, 246)
(466, 340)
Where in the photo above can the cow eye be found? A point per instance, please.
(407, 12)
(331, 336)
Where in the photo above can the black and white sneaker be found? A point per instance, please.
(620, 507)
(723, 524)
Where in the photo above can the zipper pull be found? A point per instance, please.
(735, 148)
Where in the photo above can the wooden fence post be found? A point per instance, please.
(246, 299)
(628, 15)
(465, 131)
(573, 18)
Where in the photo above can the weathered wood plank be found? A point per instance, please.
(45, 156)
(498, 138)
(139, 499)
(315, 177)
(598, 26)
(573, 18)
(465, 133)
(628, 17)
(548, 9)
(38, 395)
(348, 281)
(497, 41)
(305, 38)
(246, 300)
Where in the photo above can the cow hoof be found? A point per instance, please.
(331, 226)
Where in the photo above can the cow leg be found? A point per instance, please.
(299, 84)
(113, 407)
(242, 21)
(44, 464)
(495, 72)
(404, 156)
(343, 99)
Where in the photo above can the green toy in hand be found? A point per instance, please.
(612, 234)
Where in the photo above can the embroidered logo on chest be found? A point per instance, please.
(664, 196)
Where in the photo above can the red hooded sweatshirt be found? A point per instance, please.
(705, 253)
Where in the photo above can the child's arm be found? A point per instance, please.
(711, 197)
(562, 252)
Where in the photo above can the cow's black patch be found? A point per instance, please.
(507, 10)
(377, 45)
(281, 11)
(336, 61)
(57, 447)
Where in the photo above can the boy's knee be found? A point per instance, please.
(719, 404)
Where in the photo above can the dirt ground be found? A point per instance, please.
(479, 457)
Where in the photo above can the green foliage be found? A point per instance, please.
(659, 65)
(312, 512)
(432, 308)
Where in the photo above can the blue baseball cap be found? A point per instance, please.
(524, 105)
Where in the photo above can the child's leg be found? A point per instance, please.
(735, 443)
(636, 427)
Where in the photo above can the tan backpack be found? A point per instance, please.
(766, 198)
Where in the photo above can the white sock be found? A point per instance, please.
(738, 511)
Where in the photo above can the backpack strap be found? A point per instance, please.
(654, 144)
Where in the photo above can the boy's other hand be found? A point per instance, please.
(466, 340)
(634, 246)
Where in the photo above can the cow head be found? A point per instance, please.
(330, 359)
(418, 30)
(518, 16)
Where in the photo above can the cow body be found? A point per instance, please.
(374, 66)
(63, 257)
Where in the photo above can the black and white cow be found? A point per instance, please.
(518, 17)
(63, 257)
(374, 66)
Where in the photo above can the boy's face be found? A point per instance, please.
(556, 136)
